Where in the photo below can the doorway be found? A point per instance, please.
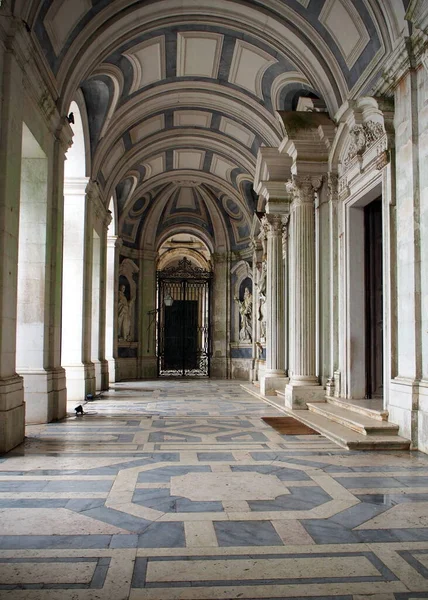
(183, 323)
(373, 298)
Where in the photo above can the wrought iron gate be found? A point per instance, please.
(183, 326)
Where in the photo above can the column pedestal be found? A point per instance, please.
(12, 413)
(45, 394)
(80, 381)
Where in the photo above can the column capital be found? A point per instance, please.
(272, 225)
(99, 211)
(304, 188)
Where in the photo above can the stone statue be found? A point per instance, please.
(124, 316)
(246, 312)
(262, 302)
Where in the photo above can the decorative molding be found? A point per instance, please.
(184, 270)
(364, 135)
(383, 160)
(99, 212)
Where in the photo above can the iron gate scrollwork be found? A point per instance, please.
(183, 326)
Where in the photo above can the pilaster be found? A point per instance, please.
(220, 367)
(274, 375)
(147, 356)
(12, 407)
(75, 361)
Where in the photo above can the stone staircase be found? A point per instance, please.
(356, 425)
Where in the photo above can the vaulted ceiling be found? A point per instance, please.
(179, 95)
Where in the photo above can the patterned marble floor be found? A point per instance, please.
(178, 490)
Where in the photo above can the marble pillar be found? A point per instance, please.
(112, 258)
(285, 258)
(220, 324)
(77, 366)
(12, 407)
(303, 385)
(274, 375)
(103, 309)
(333, 386)
(147, 336)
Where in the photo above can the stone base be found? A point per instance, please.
(80, 381)
(149, 367)
(269, 382)
(59, 408)
(111, 370)
(218, 367)
(127, 368)
(296, 396)
(241, 368)
(45, 395)
(98, 378)
(12, 413)
(104, 375)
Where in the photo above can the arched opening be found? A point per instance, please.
(183, 324)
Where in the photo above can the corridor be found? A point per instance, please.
(179, 490)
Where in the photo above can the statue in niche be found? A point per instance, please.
(124, 315)
(262, 302)
(246, 312)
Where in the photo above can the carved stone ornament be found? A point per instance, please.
(305, 187)
(363, 137)
(184, 270)
(382, 160)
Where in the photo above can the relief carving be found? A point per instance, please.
(363, 137)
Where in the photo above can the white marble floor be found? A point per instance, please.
(169, 490)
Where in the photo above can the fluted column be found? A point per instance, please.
(286, 291)
(303, 383)
(275, 350)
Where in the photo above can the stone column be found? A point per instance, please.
(76, 364)
(333, 387)
(57, 406)
(303, 385)
(220, 322)
(12, 407)
(147, 337)
(103, 310)
(98, 220)
(274, 375)
(113, 246)
(257, 248)
(286, 292)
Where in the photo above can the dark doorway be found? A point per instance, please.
(183, 327)
(374, 299)
(181, 335)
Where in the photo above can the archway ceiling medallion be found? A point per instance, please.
(203, 208)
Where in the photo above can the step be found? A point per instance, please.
(347, 438)
(362, 407)
(341, 435)
(355, 421)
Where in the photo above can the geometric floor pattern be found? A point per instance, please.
(171, 489)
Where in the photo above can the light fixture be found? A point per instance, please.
(168, 300)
